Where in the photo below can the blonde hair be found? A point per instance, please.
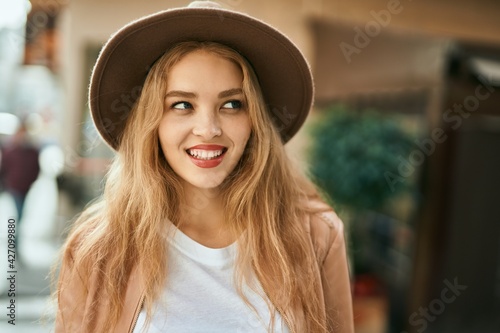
(264, 197)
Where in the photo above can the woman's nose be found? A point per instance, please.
(207, 125)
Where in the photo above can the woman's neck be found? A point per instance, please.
(202, 217)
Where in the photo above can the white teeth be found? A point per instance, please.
(204, 154)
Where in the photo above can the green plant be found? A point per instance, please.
(352, 152)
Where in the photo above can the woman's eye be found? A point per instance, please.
(232, 105)
(182, 106)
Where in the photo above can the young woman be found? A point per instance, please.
(204, 225)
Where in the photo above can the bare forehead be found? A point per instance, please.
(205, 70)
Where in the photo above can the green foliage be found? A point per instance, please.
(352, 153)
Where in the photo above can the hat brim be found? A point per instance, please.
(124, 62)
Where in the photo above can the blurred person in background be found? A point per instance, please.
(204, 224)
(19, 166)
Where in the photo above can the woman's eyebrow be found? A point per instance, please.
(230, 92)
(180, 93)
(187, 94)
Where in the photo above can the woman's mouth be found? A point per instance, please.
(206, 156)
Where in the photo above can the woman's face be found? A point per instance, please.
(205, 125)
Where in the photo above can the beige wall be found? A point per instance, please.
(463, 19)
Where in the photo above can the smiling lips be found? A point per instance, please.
(206, 156)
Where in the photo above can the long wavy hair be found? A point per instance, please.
(265, 204)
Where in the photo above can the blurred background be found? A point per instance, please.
(404, 139)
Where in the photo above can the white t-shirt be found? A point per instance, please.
(200, 294)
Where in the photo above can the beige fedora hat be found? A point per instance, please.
(123, 64)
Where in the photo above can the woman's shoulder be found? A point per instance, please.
(75, 243)
(69, 255)
(324, 226)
